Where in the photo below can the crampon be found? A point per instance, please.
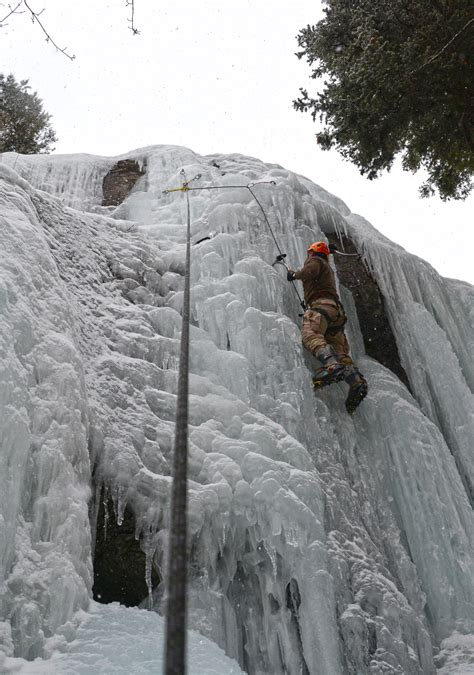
(357, 393)
(326, 376)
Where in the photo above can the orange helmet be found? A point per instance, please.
(318, 247)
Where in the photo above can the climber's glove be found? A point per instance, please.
(290, 275)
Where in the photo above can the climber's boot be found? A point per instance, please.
(332, 370)
(358, 388)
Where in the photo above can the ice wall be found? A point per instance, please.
(75, 179)
(436, 342)
(45, 572)
(320, 543)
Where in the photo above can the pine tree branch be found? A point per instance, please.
(464, 124)
(131, 3)
(35, 18)
(443, 49)
(12, 11)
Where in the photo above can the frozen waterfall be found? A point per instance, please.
(319, 543)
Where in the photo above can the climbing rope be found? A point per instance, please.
(177, 560)
(280, 260)
(333, 249)
(175, 647)
(348, 255)
(177, 556)
(249, 186)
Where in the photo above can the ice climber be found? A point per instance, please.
(323, 325)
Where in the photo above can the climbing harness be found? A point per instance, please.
(337, 328)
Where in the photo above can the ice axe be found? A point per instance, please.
(280, 260)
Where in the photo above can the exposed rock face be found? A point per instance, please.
(379, 340)
(120, 180)
(119, 562)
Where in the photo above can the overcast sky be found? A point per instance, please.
(215, 78)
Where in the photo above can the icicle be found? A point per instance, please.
(148, 565)
(105, 503)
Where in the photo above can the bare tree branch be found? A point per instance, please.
(131, 3)
(12, 11)
(35, 18)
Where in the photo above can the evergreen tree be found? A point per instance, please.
(24, 125)
(398, 80)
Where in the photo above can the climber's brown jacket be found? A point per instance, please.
(324, 319)
(318, 280)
